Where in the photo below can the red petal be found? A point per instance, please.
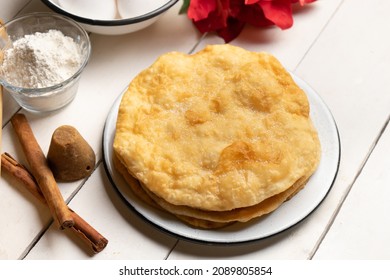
(278, 11)
(252, 14)
(200, 9)
(212, 23)
(232, 30)
(216, 19)
(249, 2)
(302, 2)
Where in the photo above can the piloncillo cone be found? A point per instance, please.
(70, 157)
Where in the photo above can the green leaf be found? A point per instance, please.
(184, 7)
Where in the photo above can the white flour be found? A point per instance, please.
(40, 60)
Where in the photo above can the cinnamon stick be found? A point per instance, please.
(41, 172)
(81, 228)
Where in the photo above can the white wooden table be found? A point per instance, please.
(339, 47)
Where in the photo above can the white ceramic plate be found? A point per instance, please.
(115, 26)
(286, 216)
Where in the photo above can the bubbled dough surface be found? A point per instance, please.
(224, 128)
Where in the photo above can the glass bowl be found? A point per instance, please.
(56, 96)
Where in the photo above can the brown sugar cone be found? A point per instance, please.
(70, 157)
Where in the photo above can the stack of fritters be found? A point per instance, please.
(220, 136)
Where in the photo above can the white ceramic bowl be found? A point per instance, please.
(54, 97)
(114, 26)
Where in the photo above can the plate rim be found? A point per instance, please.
(301, 83)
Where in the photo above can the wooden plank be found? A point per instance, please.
(362, 228)
(10, 8)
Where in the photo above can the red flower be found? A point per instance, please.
(228, 17)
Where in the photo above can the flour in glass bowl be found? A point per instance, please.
(40, 60)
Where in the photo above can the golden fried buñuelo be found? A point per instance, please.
(221, 129)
